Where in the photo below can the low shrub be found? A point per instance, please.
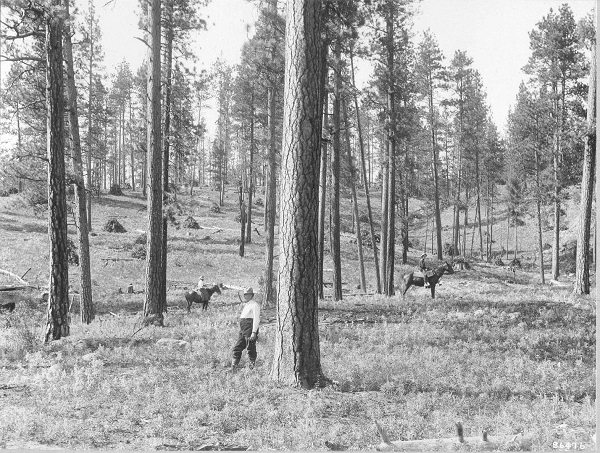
(115, 189)
(139, 251)
(190, 222)
(113, 226)
(36, 197)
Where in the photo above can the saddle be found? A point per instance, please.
(203, 294)
(421, 274)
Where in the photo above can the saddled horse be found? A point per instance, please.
(202, 296)
(414, 279)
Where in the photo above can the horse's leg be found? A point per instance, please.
(406, 286)
(433, 291)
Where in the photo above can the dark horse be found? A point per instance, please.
(202, 296)
(412, 280)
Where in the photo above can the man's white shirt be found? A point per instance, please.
(252, 310)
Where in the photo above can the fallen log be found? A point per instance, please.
(516, 442)
(16, 277)
(13, 288)
(217, 229)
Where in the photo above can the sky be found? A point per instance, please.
(227, 22)
(494, 33)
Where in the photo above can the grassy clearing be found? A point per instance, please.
(500, 357)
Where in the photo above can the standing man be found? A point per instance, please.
(249, 323)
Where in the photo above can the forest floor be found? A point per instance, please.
(500, 355)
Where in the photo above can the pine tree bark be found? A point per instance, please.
(583, 255)
(390, 249)
(242, 221)
(323, 195)
(297, 352)
(435, 159)
(456, 227)
(132, 146)
(384, 208)
(250, 184)
(57, 321)
(166, 148)
(404, 204)
(85, 278)
(478, 203)
(556, 230)
(361, 263)
(559, 108)
(366, 181)
(89, 117)
(539, 214)
(336, 251)
(153, 304)
(270, 203)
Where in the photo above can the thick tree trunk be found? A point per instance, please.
(466, 222)
(166, 144)
(131, 145)
(250, 174)
(456, 228)
(436, 183)
(404, 205)
(491, 218)
(122, 153)
(297, 352)
(384, 213)
(391, 222)
(361, 263)
(270, 204)
(557, 183)
(323, 195)
(583, 255)
(507, 232)
(89, 117)
(478, 203)
(516, 237)
(390, 249)
(336, 251)
(155, 298)
(85, 279)
(57, 321)
(242, 221)
(145, 172)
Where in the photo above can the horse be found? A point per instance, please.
(412, 280)
(202, 296)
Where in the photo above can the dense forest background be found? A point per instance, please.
(419, 132)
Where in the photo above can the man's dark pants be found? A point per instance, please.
(244, 341)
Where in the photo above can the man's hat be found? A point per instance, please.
(423, 255)
(249, 291)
